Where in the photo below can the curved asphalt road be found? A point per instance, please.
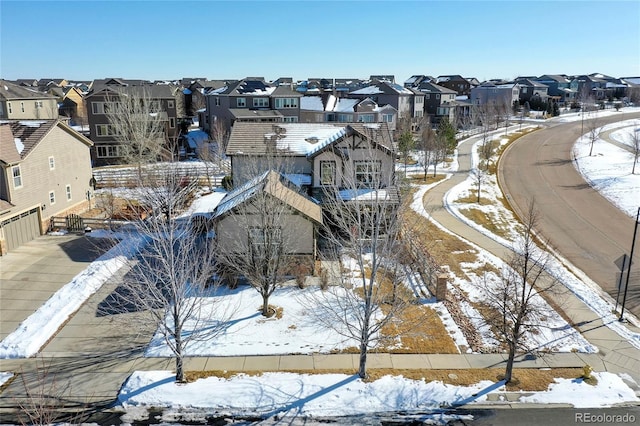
(581, 225)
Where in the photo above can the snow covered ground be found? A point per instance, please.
(322, 395)
(608, 169)
(310, 394)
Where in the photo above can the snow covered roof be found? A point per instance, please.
(276, 185)
(301, 139)
(389, 195)
(311, 103)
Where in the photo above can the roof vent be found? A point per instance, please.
(312, 139)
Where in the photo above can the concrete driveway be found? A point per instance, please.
(32, 273)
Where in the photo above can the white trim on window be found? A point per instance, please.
(52, 197)
(52, 163)
(16, 174)
(68, 191)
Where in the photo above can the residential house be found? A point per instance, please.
(314, 155)
(103, 92)
(495, 94)
(589, 86)
(456, 82)
(389, 78)
(45, 171)
(326, 109)
(24, 103)
(439, 101)
(251, 100)
(415, 80)
(531, 89)
(558, 87)
(237, 224)
(409, 103)
(73, 107)
(26, 82)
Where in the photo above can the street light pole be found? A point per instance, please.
(626, 286)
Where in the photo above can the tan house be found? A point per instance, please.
(45, 171)
(237, 218)
(22, 103)
(73, 106)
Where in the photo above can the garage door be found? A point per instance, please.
(21, 229)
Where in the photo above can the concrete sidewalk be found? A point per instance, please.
(616, 354)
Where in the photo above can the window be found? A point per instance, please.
(22, 106)
(327, 172)
(261, 239)
(419, 99)
(292, 119)
(97, 107)
(345, 118)
(52, 197)
(52, 163)
(418, 114)
(68, 189)
(172, 122)
(366, 118)
(286, 102)
(261, 102)
(241, 102)
(17, 177)
(107, 151)
(105, 130)
(171, 104)
(437, 96)
(387, 118)
(9, 107)
(367, 172)
(217, 98)
(38, 104)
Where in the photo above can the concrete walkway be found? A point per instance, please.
(616, 354)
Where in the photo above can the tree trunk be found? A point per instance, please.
(509, 369)
(362, 366)
(633, 171)
(179, 360)
(265, 305)
(478, 192)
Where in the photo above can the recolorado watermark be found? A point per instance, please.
(604, 418)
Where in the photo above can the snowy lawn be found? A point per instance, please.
(608, 169)
(334, 395)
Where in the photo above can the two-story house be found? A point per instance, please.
(439, 101)
(558, 87)
(327, 109)
(409, 103)
(354, 162)
(489, 93)
(45, 171)
(251, 100)
(105, 92)
(532, 89)
(459, 84)
(24, 103)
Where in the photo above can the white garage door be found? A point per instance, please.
(21, 229)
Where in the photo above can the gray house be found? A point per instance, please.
(327, 109)
(408, 102)
(495, 94)
(45, 171)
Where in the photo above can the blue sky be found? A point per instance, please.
(84, 40)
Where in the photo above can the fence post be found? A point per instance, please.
(441, 287)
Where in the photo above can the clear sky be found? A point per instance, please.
(157, 40)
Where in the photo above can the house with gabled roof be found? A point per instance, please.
(25, 103)
(408, 102)
(236, 219)
(103, 92)
(45, 171)
(456, 82)
(321, 156)
(251, 100)
(439, 101)
(331, 108)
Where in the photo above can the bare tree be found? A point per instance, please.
(138, 122)
(220, 134)
(362, 229)
(107, 202)
(595, 130)
(635, 146)
(479, 177)
(171, 277)
(515, 295)
(427, 144)
(262, 214)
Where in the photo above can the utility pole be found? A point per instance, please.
(626, 286)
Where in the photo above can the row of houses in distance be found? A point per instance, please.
(218, 104)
